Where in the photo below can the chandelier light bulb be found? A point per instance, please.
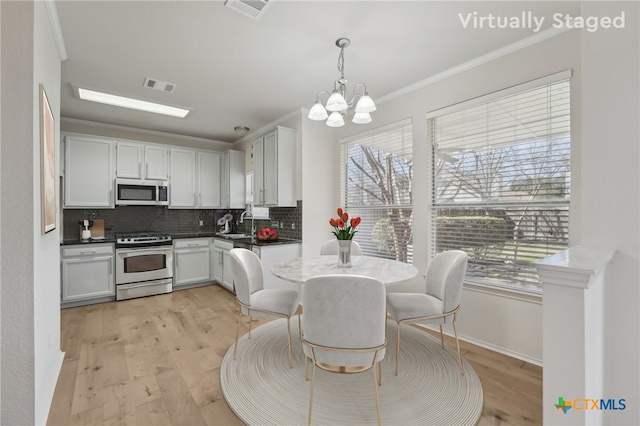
(317, 112)
(365, 104)
(361, 118)
(336, 102)
(335, 120)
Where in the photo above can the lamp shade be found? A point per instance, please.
(317, 112)
(365, 104)
(361, 118)
(336, 102)
(335, 120)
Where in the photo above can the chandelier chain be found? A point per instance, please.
(341, 62)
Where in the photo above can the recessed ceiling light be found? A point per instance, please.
(121, 101)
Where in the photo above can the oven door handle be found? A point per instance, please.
(140, 250)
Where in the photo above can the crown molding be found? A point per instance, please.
(52, 11)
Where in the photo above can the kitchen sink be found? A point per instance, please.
(234, 236)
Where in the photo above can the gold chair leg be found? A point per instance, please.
(306, 368)
(299, 323)
(235, 348)
(398, 349)
(455, 332)
(379, 374)
(375, 388)
(289, 336)
(250, 321)
(441, 337)
(313, 378)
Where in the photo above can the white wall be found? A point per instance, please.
(46, 248)
(610, 200)
(30, 262)
(17, 400)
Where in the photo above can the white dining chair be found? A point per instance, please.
(343, 327)
(254, 299)
(331, 247)
(441, 301)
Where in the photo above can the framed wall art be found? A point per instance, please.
(47, 164)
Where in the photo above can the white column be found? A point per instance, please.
(573, 333)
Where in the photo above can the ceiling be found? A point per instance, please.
(234, 70)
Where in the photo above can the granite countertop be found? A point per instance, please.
(184, 235)
(73, 241)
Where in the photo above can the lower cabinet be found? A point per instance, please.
(191, 260)
(87, 274)
(220, 263)
(271, 254)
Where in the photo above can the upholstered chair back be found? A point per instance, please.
(445, 276)
(246, 268)
(347, 312)
(331, 247)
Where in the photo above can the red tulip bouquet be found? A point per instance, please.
(344, 229)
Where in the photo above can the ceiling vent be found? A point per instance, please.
(163, 86)
(251, 8)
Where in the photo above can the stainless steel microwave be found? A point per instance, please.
(137, 192)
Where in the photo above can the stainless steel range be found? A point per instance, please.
(144, 265)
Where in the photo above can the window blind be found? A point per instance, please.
(377, 184)
(501, 176)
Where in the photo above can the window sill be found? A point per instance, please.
(510, 293)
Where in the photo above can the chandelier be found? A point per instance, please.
(337, 102)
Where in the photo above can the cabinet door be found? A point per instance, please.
(217, 260)
(191, 266)
(87, 278)
(88, 173)
(224, 181)
(227, 275)
(183, 178)
(236, 179)
(129, 160)
(208, 180)
(258, 172)
(270, 191)
(155, 163)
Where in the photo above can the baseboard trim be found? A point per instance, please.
(489, 346)
(52, 389)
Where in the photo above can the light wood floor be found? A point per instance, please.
(156, 361)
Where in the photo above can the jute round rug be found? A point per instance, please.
(261, 389)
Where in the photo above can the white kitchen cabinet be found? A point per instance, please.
(271, 254)
(183, 178)
(274, 168)
(191, 259)
(87, 274)
(89, 172)
(220, 263)
(233, 180)
(156, 162)
(141, 161)
(208, 180)
(195, 179)
(129, 158)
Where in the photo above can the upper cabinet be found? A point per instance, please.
(195, 179)
(274, 168)
(182, 192)
(141, 161)
(233, 180)
(89, 172)
(208, 180)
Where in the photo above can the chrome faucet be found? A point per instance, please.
(253, 231)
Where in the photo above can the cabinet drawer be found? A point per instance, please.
(87, 250)
(191, 242)
(222, 244)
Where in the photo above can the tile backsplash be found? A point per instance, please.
(178, 221)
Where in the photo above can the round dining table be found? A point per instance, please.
(388, 271)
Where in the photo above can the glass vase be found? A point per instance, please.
(344, 253)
